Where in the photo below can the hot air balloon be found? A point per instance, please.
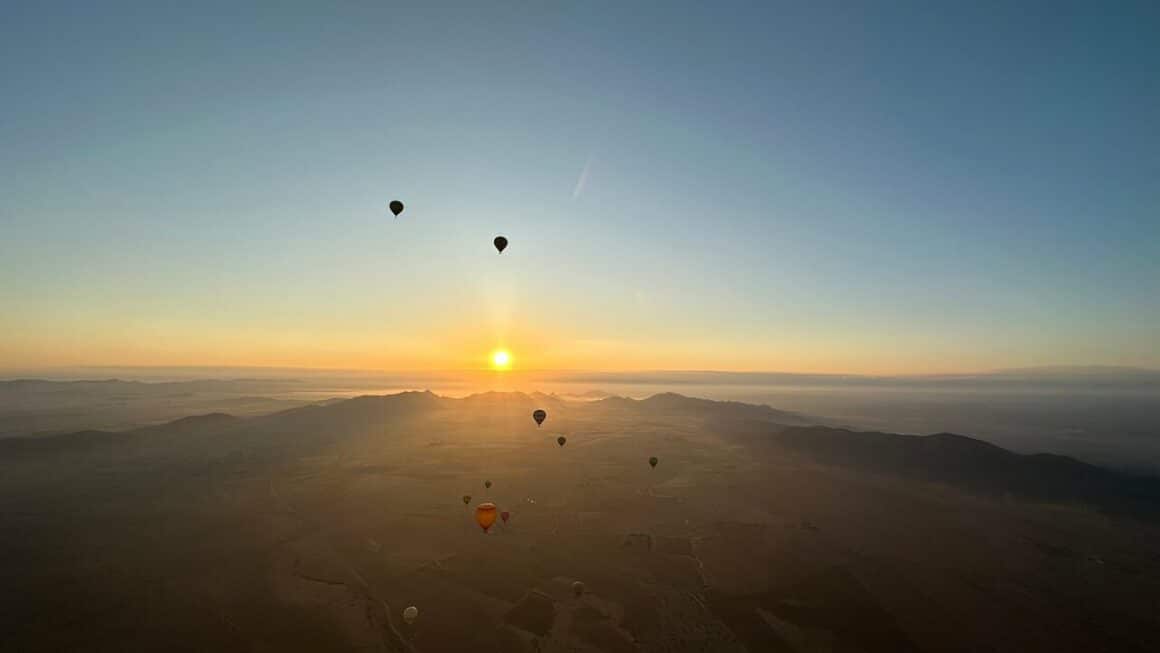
(466, 499)
(561, 440)
(652, 461)
(410, 614)
(505, 516)
(539, 415)
(487, 484)
(500, 243)
(577, 588)
(396, 207)
(485, 515)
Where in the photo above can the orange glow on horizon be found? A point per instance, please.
(469, 348)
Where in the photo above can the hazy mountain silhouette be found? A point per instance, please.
(943, 457)
(969, 463)
(1065, 374)
(671, 403)
(39, 407)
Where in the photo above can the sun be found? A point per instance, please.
(501, 359)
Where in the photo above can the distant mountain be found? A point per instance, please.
(1050, 374)
(591, 394)
(945, 458)
(1079, 371)
(671, 403)
(90, 440)
(512, 400)
(337, 417)
(110, 386)
(40, 407)
(967, 463)
(1062, 375)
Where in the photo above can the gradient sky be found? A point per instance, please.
(893, 189)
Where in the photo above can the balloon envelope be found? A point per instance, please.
(505, 516)
(539, 415)
(466, 499)
(653, 462)
(561, 440)
(487, 484)
(410, 614)
(500, 243)
(485, 515)
(396, 207)
(577, 588)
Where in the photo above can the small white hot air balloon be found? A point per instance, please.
(410, 614)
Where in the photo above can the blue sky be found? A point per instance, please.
(901, 188)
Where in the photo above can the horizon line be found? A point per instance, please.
(10, 374)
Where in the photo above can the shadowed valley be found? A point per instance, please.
(312, 528)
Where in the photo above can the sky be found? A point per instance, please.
(884, 188)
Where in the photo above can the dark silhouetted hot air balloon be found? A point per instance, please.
(505, 516)
(652, 461)
(396, 207)
(485, 515)
(561, 440)
(466, 499)
(410, 614)
(577, 588)
(487, 484)
(500, 243)
(539, 415)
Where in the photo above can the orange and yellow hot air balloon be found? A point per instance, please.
(485, 515)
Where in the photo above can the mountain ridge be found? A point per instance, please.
(945, 457)
(969, 463)
(413, 401)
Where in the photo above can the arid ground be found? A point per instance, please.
(311, 529)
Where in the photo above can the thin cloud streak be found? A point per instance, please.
(583, 180)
